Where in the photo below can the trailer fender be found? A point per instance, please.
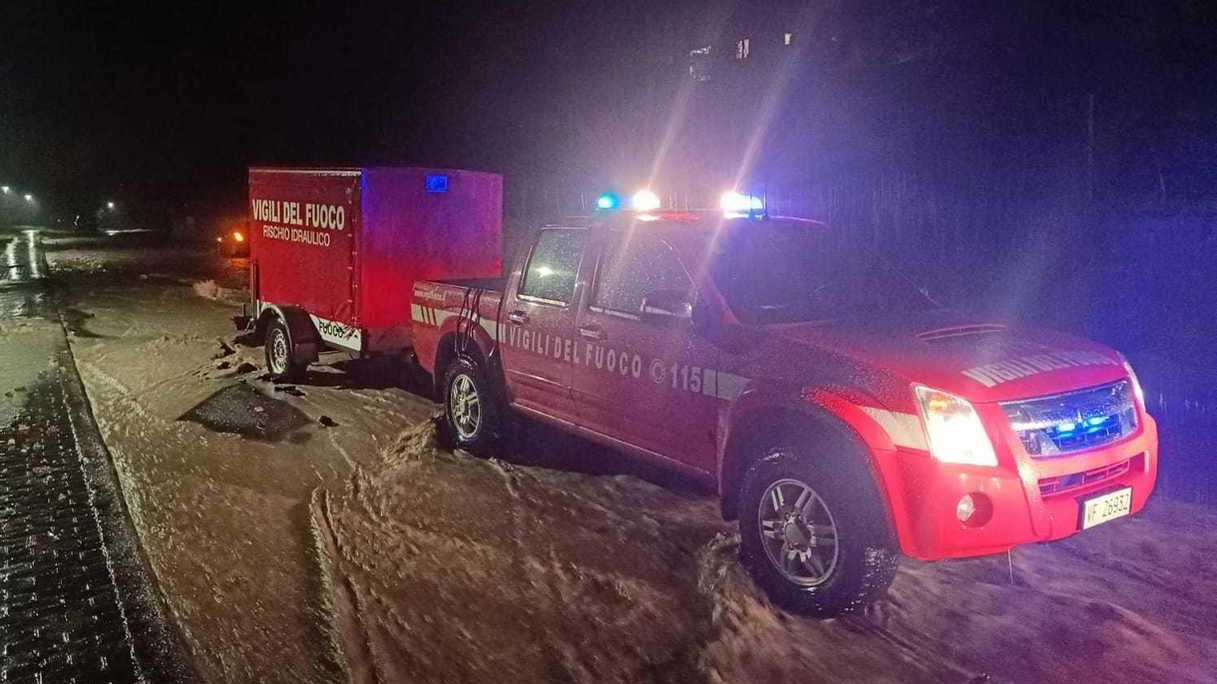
(301, 333)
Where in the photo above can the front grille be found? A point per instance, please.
(1064, 483)
(1072, 422)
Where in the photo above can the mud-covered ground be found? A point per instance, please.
(326, 536)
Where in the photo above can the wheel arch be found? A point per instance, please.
(762, 427)
(449, 349)
(301, 333)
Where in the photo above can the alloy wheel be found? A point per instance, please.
(465, 407)
(798, 532)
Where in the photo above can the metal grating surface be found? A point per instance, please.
(60, 618)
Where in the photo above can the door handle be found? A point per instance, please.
(518, 317)
(591, 332)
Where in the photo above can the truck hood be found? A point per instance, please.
(980, 360)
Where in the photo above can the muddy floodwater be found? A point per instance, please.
(332, 539)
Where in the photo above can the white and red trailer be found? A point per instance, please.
(335, 253)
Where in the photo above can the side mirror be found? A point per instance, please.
(666, 305)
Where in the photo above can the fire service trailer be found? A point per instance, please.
(334, 253)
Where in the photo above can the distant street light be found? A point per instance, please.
(5, 189)
(29, 197)
(110, 206)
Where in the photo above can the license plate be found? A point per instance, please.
(1109, 506)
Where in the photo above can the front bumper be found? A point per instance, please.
(1031, 499)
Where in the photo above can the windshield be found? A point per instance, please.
(789, 272)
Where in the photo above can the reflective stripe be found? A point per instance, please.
(904, 429)
(423, 314)
(338, 334)
(491, 328)
(436, 317)
(332, 332)
(722, 384)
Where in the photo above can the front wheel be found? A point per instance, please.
(813, 532)
(471, 411)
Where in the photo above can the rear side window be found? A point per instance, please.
(634, 267)
(553, 265)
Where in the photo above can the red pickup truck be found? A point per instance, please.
(843, 417)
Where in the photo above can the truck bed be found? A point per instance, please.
(488, 284)
(438, 308)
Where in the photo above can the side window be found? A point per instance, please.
(633, 267)
(551, 270)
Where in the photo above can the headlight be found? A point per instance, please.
(1136, 385)
(953, 428)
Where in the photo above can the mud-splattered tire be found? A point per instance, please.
(821, 515)
(279, 360)
(471, 410)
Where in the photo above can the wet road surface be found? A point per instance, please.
(66, 609)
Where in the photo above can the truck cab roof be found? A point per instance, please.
(672, 219)
(690, 232)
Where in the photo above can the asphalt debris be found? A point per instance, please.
(225, 350)
(243, 410)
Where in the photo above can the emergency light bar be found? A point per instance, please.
(731, 202)
(734, 202)
(608, 202)
(645, 200)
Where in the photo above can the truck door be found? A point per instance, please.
(639, 378)
(537, 337)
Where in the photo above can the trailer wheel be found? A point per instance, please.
(279, 360)
(813, 532)
(471, 412)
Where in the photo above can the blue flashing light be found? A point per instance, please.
(437, 182)
(1066, 427)
(1097, 420)
(608, 202)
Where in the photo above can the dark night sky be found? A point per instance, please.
(170, 97)
(175, 99)
(166, 103)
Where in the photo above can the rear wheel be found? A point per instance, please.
(279, 360)
(471, 411)
(814, 533)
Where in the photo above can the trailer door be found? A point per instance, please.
(304, 233)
